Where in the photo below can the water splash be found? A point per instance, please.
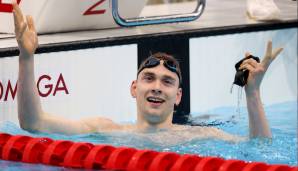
(239, 97)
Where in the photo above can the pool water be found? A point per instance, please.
(281, 149)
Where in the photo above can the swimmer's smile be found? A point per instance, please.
(155, 101)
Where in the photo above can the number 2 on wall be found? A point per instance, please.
(91, 10)
(6, 7)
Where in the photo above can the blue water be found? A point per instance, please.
(282, 149)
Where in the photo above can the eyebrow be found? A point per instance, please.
(148, 73)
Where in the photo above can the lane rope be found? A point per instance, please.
(64, 153)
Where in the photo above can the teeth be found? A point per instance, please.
(155, 100)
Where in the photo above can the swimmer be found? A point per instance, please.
(156, 89)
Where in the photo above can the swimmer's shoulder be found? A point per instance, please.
(217, 133)
(177, 127)
(206, 132)
(101, 124)
(190, 128)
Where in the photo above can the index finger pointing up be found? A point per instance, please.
(270, 55)
(267, 59)
(18, 16)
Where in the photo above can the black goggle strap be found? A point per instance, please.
(152, 62)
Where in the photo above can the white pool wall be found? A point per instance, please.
(212, 71)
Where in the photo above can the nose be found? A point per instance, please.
(156, 90)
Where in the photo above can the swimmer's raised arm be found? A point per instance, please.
(29, 107)
(30, 113)
(258, 124)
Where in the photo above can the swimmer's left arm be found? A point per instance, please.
(258, 124)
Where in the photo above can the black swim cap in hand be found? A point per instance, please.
(242, 75)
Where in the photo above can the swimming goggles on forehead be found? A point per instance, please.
(153, 62)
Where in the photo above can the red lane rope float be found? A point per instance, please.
(34, 149)
(89, 156)
(14, 147)
(98, 156)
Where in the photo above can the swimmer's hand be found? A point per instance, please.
(25, 32)
(258, 70)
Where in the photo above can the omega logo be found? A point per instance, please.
(45, 82)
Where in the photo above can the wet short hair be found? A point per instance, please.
(165, 57)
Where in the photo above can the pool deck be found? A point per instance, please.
(218, 15)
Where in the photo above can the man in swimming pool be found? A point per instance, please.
(156, 90)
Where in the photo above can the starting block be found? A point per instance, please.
(68, 15)
(52, 16)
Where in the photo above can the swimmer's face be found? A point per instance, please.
(156, 91)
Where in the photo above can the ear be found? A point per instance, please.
(133, 89)
(179, 96)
